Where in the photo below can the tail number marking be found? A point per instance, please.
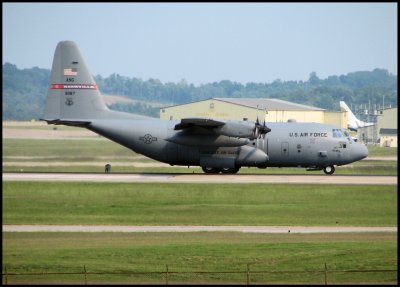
(75, 86)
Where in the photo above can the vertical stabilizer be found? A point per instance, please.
(353, 123)
(73, 94)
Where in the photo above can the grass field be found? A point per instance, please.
(92, 203)
(189, 252)
(198, 204)
(59, 148)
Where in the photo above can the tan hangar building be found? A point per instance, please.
(273, 110)
(384, 132)
(387, 127)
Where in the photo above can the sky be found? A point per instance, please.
(207, 42)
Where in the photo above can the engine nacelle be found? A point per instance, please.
(251, 156)
(236, 129)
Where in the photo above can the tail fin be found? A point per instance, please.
(73, 94)
(353, 122)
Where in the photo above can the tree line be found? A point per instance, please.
(25, 91)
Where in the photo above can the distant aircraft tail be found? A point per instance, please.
(73, 94)
(353, 122)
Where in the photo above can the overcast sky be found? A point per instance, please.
(207, 42)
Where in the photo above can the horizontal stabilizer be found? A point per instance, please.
(75, 123)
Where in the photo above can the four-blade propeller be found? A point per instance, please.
(260, 131)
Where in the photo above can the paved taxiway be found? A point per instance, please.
(202, 178)
(244, 229)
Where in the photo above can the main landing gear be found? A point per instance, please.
(215, 170)
(329, 170)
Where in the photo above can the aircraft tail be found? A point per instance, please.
(353, 122)
(73, 94)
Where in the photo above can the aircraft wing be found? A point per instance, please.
(217, 132)
(238, 129)
(198, 122)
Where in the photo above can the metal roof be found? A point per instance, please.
(269, 104)
(259, 103)
(388, 131)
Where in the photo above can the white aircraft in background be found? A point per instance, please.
(353, 123)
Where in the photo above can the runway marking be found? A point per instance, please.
(244, 229)
(203, 178)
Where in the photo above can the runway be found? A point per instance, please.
(243, 229)
(202, 178)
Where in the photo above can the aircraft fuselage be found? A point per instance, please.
(286, 145)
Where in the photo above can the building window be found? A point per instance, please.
(211, 106)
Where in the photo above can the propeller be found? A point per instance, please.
(260, 131)
(256, 128)
(264, 130)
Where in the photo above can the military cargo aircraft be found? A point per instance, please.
(215, 145)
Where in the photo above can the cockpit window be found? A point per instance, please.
(337, 133)
(346, 134)
(340, 134)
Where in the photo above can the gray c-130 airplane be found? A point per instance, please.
(215, 145)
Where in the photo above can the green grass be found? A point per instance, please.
(190, 252)
(79, 148)
(198, 204)
(381, 151)
(29, 126)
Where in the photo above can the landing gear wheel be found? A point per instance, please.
(232, 170)
(210, 169)
(329, 170)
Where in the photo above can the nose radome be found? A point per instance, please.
(360, 152)
(364, 152)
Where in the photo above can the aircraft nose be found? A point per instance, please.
(360, 152)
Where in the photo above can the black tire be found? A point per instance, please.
(329, 170)
(212, 170)
(228, 170)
